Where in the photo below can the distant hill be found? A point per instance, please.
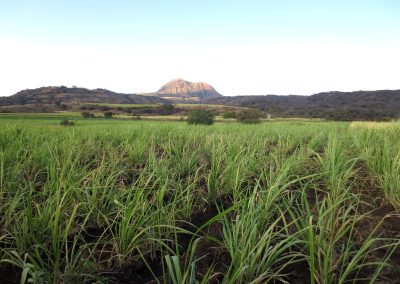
(362, 105)
(182, 90)
(52, 95)
(359, 105)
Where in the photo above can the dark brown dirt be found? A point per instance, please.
(382, 217)
(159, 152)
(210, 255)
(137, 272)
(9, 274)
(36, 176)
(298, 273)
(208, 251)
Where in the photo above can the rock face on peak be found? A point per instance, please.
(185, 90)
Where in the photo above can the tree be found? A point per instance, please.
(167, 109)
(248, 116)
(86, 114)
(66, 122)
(201, 116)
(229, 114)
(108, 114)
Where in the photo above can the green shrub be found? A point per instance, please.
(167, 109)
(108, 114)
(201, 116)
(86, 114)
(66, 122)
(229, 114)
(249, 116)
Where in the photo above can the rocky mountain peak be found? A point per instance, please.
(185, 89)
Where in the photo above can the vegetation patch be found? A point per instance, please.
(201, 116)
(249, 116)
(123, 201)
(66, 122)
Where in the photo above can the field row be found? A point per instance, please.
(112, 201)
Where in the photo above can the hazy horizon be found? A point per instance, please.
(290, 47)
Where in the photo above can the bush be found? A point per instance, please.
(201, 116)
(167, 109)
(229, 114)
(66, 122)
(249, 116)
(385, 119)
(86, 114)
(108, 114)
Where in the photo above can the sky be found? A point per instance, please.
(248, 47)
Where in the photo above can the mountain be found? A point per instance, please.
(52, 95)
(180, 89)
(358, 105)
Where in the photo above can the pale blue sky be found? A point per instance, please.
(240, 47)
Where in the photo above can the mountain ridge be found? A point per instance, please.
(335, 105)
(62, 94)
(363, 105)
